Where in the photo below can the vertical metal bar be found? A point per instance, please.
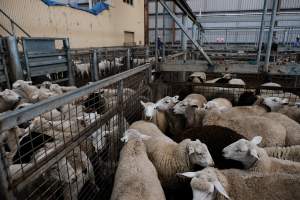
(147, 53)
(261, 32)
(5, 192)
(156, 34)
(164, 34)
(183, 36)
(69, 60)
(26, 60)
(128, 59)
(226, 43)
(95, 71)
(270, 37)
(14, 60)
(120, 106)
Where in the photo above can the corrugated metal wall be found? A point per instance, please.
(241, 35)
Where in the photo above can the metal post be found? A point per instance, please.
(15, 69)
(261, 32)
(226, 43)
(69, 59)
(147, 54)
(120, 100)
(5, 192)
(95, 71)
(164, 34)
(128, 59)
(183, 37)
(270, 36)
(156, 35)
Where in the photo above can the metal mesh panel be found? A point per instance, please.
(67, 147)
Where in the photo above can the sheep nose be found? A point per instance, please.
(147, 118)
(19, 98)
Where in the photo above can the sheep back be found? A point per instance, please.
(286, 153)
(274, 134)
(292, 112)
(291, 126)
(136, 177)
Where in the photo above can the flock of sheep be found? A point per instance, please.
(32, 141)
(189, 149)
(204, 150)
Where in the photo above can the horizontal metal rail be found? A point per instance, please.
(11, 119)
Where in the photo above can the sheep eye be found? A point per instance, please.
(274, 100)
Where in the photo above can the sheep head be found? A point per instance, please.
(180, 107)
(205, 184)
(275, 103)
(166, 103)
(149, 110)
(198, 77)
(199, 154)
(244, 151)
(10, 97)
(20, 83)
(133, 134)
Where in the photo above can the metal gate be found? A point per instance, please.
(48, 56)
(70, 147)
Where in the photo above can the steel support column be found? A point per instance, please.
(164, 34)
(183, 37)
(186, 32)
(14, 59)
(270, 36)
(156, 35)
(261, 32)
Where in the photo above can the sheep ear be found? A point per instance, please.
(124, 139)
(253, 153)
(175, 98)
(191, 149)
(145, 137)
(220, 189)
(256, 140)
(143, 104)
(188, 174)
(284, 101)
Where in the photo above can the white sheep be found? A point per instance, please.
(256, 159)
(271, 84)
(248, 126)
(198, 77)
(155, 116)
(170, 157)
(285, 153)
(74, 170)
(8, 100)
(196, 100)
(291, 126)
(82, 69)
(292, 112)
(136, 178)
(220, 104)
(214, 184)
(30, 92)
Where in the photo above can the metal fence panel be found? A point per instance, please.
(70, 147)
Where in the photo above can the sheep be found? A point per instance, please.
(82, 69)
(74, 170)
(221, 104)
(270, 84)
(8, 100)
(136, 177)
(170, 157)
(30, 92)
(211, 183)
(156, 112)
(11, 139)
(291, 126)
(198, 77)
(216, 138)
(192, 99)
(286, 153)
(59, 90)
(249, 126)
(155, 116)
(256, 159)
(292, 112)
